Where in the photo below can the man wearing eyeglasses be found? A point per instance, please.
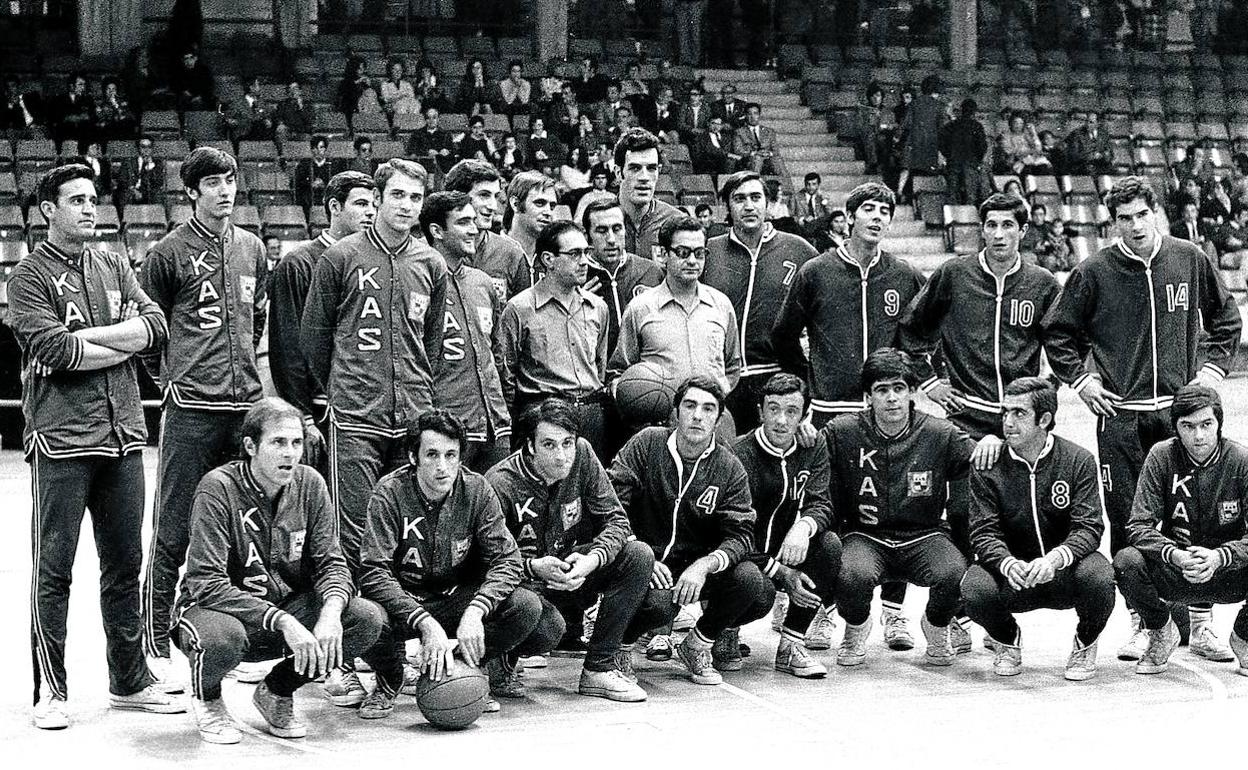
(554, 335)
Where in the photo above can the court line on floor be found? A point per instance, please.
(791, 715)
(1215, 685)
(286, 743)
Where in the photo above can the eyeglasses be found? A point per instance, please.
(684, 252)
(577, 254)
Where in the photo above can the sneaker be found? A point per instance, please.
(588, 620)
(1205, 643)
(778, 611)
(659, 648)
(343, 688)
(535, 661)
(897, 631)
(1137, 645)
(492, 706)
(279, 714)
(50, 714)
(148, 699)
(411, 680)
(853, 651)
(250, 673)
(687, 618)
(699, 663)
(378, 704)
(819, 635)
(960, 638)
(624, 662)
(726, 652)
(168, 679)
(612, 685)
(214, 722)
(1081, 665)
(939, 651)
(1007, 659)
(504, 678)
(1240, 648)
(1161, 645)
(792, 658)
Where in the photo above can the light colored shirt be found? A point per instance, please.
(549, 348)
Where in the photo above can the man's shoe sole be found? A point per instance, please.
(801, 673)
(900, 645)
(221, 740)
(819, 645)
(346, 701)
(850, 661)
(609, 694)
(1128, 656)
(1151, 668)
(1007, 671)
(1079, 676)
(151, 708)
(706, 680)
(1214, 655)
(376, 713)
(938, 660)
(171, 688)
(48, 725)
(659, 657)
(735, 664)
(285, 732)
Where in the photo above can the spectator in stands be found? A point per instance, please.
(811, 205)
(313, 174)
(23, 110)
(777, 210)
(113, 117)
(428, 86)
(398, 97)
(664, 77)
(586, 136)
(665, 116)
(363, 162)
(925, 23)
(831, 232)
(74, 112)
(272, 252)
(91, 155)
(920, 152)
(714, 153)
(1037, 227)
(1231, 240)
(1046, 240)
(141, 179)
(510, 159)
(590, 84)
(430, 145)
(904, 100)
(1189, 227)
(1215, 204)
(544, 150)
(631, 85)
(607, 109)
(514, 92)
(605, 163)
(1088, 149)
(1053, 152)
(964, 143)
(706, 216)
(756, 144)
(599, 183)
(624, 120)
(476, 143)
(294, 114)
(695, 118)
(573, 177)
(475, 95)
(355, 91)
(248, 117)
(690, 21)
(1239, 178)
(1187, 191)
(729, 107)
(192, 83)
(1019, 150)
(874, 137)
(564, 113)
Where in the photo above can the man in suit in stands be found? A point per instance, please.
(141, 178)
(728, 107)
(695, 118)
(605, 119)
(294, 114)
(1088, 149)
(1189, 226)
(249, 116)
(313, 174)
(756, 144)
(811, 205)
(713, 153)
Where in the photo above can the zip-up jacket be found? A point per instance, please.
(1179, 503)
(987, 328)
(288, 294)
(367, 332)
(1020, 511)
(892, 489)
(685, 510)
(72, 413)
(757, 282)
(248, 553)
(501, 258)
(580, 513)
(847, 311)
(631, 276)
(467, 382)
(1142, 317)
(212, 291)
(415, 551)
(787, 485)
(642, 237)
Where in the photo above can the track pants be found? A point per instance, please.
(356, 462)
(933, 562)
(743, 401)
(1147, 583)
(739, 595)
(823, 566)
(62, 490)
(1087, 586)
(1122, 443)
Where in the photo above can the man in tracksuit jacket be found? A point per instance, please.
(371, 332)
(79, 317)
(209, 278)
(576, 544)
(467, 383)
(688, 498)
(1188, 530)
(795, 543)
(265, 578)
(615, 274)
(1140, 304)
(498, 255)
(890, 465)
(1036, 522)
(753, 264)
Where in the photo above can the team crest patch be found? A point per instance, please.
(297, 539)
(500, 287)
(247, 288)
(656, 253)
(485, 318)
(571, 514)
(459, 549)
(417, 304)
(919, 484)
(114, 304)
(1228, 511)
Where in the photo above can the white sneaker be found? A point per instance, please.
(149, 699)
(819, 634)
(897, 631)
(659, 648)
(853, 651)
(169, 679)
(279, 713)
(1081, 665)
(343, 688)
(214, 721)
(251, 673)
(960, 638)
(1007, 659)
(1137, 645)
(535, 661)
(698, 663)
(939, 650)
(612, 685)
(792, 658)
(1205, 643)
(1161, 645)
(779, 610)
(50, 714)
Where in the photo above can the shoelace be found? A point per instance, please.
(216, 717)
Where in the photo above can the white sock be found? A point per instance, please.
(1200, 616)
(890, 608)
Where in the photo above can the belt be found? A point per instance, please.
(594, 397)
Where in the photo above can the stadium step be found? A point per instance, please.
(736, 76)
(748, 89)
(801, 127)
(768, 101)
(914, 244)
(843, 184)
(787, 113)
(826, 168)
(811, 151)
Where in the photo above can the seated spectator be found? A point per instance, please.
(564, 113)
(312, 175)
(248, 117)
(706, 215)
(811, 205)
(74, 112)
(1054, 252)
(431, 146)
(714, 153)
(1013, 187)
(1088, 149)
(113, 117)
(831, 232)
(1188, 191)
(1239, 179)
(192, 84)
(590, 84)
(1054, 152)
(777, 211)
(136, 79)
(610, 106)
(587, 136)
(605, 164)
(756, 144)
(141, 179)
(664, 115)
(624, 120)
(510, 159)
(1215, 204)
(514, 92)
(695, 118)
(428, 85)
(1019, 150)
(544, 149)
(599, 184)
(729, 107)
(874, 130)
(476, 143)
(22, 110)
(574, 176)
(1036, 227)
(631, 85)
(964, 143)
(91, 155)
(475, 95)
(1189, 227)
(294, 114)
(363, 162)
(355, 91)
(1231, 240)
(398, 97)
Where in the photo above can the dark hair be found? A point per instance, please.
(49, 188)
(341, 184)
(597, 207)
(1042, 394)
(734, 180)
(678, 225)
(1191, 399)
(468, 69)
(870, 191)
(555, 411)
(930, 84)
(206, 161)
(360, 141)
(465, 174)
(872, 89)
(408, 168)
(1127, 189)
(438, 208)
(548, 239)
(753, 106)
(1002, 202)
(318, 139)
(698, 209)
(437, 421)
(701, 382)
(635, 139)
(264, 412)
(1039, 207)
(476, 120)
(783, 384)
(969, 108)
(834, 213)
(515, 63)
(887, 364)
(812, 176)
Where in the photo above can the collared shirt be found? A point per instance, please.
(683, 336)
(552, 348)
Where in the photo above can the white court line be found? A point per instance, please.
(791, 715)
(286, 743)
(1215, 684)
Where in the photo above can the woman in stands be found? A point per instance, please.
(1019, 150)
(429, 86)
(356, 92)
(397, 95)
(874, 129)
(474, 90)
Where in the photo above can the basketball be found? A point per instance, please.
(455, 701)
(643, 394)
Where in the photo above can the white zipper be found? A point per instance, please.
(1152, 320)
(1035, 512)
(784, 495)
(680, 495)
(996, 339)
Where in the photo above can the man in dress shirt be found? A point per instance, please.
(694, 119)
(713, 153)
(756, 143)
(729, 107)
(811, 204)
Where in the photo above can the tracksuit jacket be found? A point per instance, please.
(757, 283)
(848, 312)
(73, 413)
(580, 513)
(212, 291)
(685, 513)
(786, 485)
(1020, 512)
(1179, 503)
(467, 382)
(416, 552)
(892, 489)
(249, 553)
(987, 329)
(288, 294)
(368, 333)
(1142, 317)
(632, 275)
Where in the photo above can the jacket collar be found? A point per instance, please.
(1209, 461)
(765, 444)
(1131, 255)
(769, 232)
(675, 453)
(375, 239)
(200, 229)
(869, 417)
(1048, 447)
(69, 258)
(983, 264)
(842, 251)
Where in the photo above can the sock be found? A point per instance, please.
(698, 641)
(964, 623)
(890, 608)
(1201, 617)
(791, 636)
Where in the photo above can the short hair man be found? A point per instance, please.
(80, 317)
(1036, 522)
(312, 174)
(1188, 534)
(577, 544)
(210, 278)
(688, 498)
(795, 543)
(294, 599)
(616, 275)
(438, 556)
(467, 383)
(531, 198)
(757, 144)
(497, 254)
(637, 157)
(812, 205)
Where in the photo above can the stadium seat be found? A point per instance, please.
(665, 190)
(408, 122)
(107, 223)
(8, 188)
(930, 194)
(286, 222)
(331, 124)
(201, 127)
(179, 214)
(161, 124)
(247, 217)
(697, 188)
(12, 223)
(385, 149)
(564, 214)
(1043, 190)
(145, 217)
(263, 153)
(962, 229)
(454, 122)
(1147, 106)
(1079, 190)
(271, 188)
(1081, 219)
(677, 160)
(370, 123)
(170, 149)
